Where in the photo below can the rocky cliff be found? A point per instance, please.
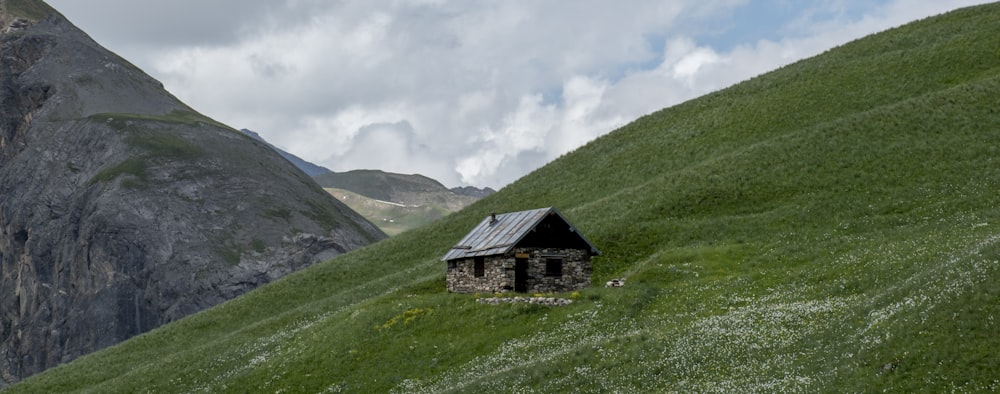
(122, 209)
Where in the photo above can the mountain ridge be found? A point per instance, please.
(473, 191)
(315, 170)
(381, 185)
(393, 202)
(304, 165)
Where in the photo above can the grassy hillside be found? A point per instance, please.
(830, 226)
(33, 10)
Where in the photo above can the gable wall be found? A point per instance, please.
(575, 269)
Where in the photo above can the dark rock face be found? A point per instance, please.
(122, 209)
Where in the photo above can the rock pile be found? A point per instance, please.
(18, 24)
(615, 283)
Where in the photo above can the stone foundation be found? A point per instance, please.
(549, 301)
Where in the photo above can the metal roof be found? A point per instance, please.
(500, 236)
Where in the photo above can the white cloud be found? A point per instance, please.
(465, 92)
(333, 136)
(684, 59)
(580, 121)
(524, 129)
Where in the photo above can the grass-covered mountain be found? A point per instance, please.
(121, 208)
(832, 226)
(395, 218)
(396, 202)
(399, 188)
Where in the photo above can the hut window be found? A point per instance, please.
(553, 267)
(480, 267)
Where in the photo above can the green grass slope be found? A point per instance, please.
(830, 226)
(30, 9)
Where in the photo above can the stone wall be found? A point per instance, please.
(575, 269)
(499, 272)
(462, 278)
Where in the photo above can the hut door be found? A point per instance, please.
(521, 275)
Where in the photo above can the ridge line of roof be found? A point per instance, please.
(506, 231)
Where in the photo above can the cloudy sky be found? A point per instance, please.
(467, 92)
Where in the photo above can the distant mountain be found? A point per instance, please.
(381, 185)
(121, 208)
(394, 202)
(473, 191)
(391, 217)
(306, 167)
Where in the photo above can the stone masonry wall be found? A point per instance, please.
(576, 269)
(462, 278)
(499, 272)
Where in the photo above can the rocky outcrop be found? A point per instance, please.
(122, 209)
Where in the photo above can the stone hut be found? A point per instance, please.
(533, 251)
